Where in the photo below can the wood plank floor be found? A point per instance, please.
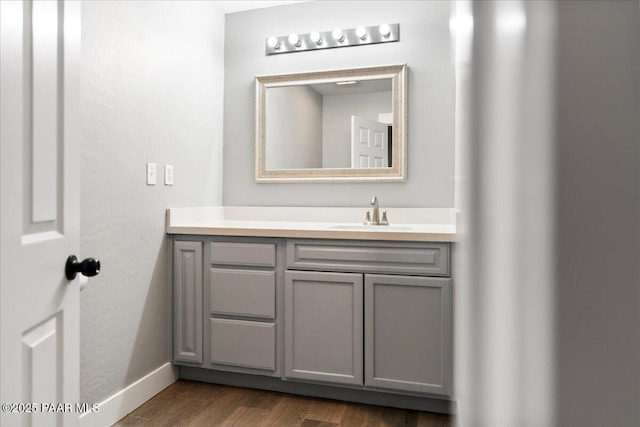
(191, 403)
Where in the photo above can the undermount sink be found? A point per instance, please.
(370, 227)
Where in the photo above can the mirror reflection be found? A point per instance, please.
(342, 124)
(336, 125)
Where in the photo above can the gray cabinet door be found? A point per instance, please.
(323, 326)
(408, 333)
(187, 302)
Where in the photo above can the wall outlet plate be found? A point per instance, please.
(168, 174)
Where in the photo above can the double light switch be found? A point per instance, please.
(152, 174)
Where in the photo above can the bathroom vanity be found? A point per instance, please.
(332, 309)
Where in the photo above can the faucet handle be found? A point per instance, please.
(384, 220)
(367, 219)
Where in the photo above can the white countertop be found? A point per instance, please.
(406, 224)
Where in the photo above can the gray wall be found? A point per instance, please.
(293, 128)
(598, 214)
(151, 91)
(336, 126)
(548, 306)
(424, 45)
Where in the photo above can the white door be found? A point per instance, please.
(40, 173)
(369, 144)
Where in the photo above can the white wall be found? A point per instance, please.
(425, 46)
(293, 128)
(336, 127)
(151, 91)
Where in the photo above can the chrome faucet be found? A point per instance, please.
(376, 210)
(368, 220)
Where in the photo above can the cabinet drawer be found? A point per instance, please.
(243, 343)
(249, 254)
(243, 292)
(430, 259)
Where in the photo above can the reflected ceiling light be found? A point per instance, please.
(346, 82)
(385, 30)
(337, 34)
(361, 32)
(315, 37)
(273, 42)
(294, 40)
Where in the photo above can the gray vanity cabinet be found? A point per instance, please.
(408, 333)
(187, 302)
(402, 317)
(363, 315)
(323, 326)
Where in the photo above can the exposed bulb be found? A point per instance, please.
(294, 40)
(385, 30)
(273, 42)
(337, 34)
(315, 37)
(361, 32)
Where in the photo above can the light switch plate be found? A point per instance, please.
(168, 174)
(152, 173)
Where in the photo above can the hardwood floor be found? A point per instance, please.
(191, 403)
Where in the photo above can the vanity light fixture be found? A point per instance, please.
(273, 43)
(315, 37)
(294, 40)
(347, 82)
(385, 30)
(338, 37)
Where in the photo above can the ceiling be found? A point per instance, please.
(237, 6)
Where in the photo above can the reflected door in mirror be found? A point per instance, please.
(369, 143)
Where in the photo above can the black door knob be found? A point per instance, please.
(88, 267)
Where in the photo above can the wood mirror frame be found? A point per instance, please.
(397, 172)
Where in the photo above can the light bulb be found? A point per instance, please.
(385, 30)
(273, 42)
(361, 32)
(337, 34)
(315, 37)
(294, 39)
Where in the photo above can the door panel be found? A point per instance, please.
(40, 53)
(43, 109)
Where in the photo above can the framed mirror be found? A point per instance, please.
(332, 126)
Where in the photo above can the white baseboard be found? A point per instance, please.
(114, 408)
